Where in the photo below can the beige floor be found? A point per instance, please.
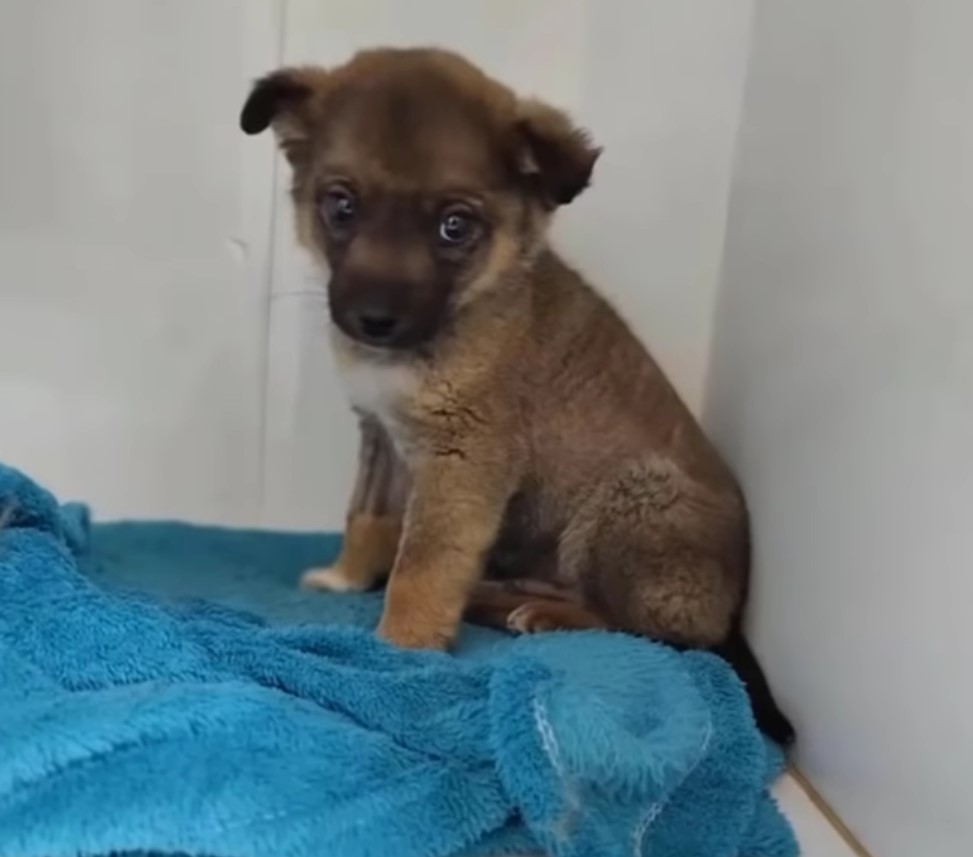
(814, 832)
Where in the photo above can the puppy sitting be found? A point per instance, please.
(512, 425)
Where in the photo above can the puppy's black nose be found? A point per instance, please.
(376, 326)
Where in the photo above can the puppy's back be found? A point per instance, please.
(593, 390)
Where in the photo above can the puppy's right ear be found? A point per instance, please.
(286, 100)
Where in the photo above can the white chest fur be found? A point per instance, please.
(375, 386)
(379, 389)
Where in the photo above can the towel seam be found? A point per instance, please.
(655, 809)
(560, 826)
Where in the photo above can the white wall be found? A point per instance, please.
(842, 388)
(134, 237)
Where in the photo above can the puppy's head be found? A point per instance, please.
(419, 182)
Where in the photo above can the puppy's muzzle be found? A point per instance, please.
(374, 324)
(392, 315)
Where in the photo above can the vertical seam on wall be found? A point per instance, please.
(262, 456)
(735, 158)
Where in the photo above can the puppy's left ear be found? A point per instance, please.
(555, 155)
(287, 100)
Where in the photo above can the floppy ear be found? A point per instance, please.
(285, 100)
(555, 154)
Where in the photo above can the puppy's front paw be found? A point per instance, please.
(413, 635)
(330, 579)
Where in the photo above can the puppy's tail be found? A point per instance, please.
(770, 719)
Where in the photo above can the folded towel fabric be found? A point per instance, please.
(133, 720)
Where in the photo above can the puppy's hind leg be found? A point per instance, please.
(374, 520)
(528, 606)
(663, 555)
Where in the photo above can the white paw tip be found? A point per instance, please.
(331, 579)
(519, 619)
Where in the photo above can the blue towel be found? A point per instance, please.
(145, 706)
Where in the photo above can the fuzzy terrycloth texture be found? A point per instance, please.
(130, 723)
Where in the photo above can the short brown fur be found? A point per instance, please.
(536, 436)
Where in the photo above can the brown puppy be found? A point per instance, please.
(512, 425)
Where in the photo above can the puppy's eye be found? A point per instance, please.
(457, 226)
(339, 208)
